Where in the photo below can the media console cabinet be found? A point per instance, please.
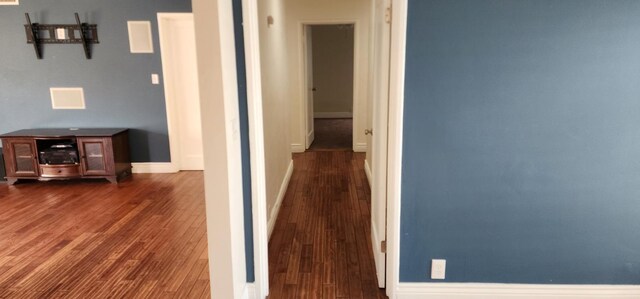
(54, 154)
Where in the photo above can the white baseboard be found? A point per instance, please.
(367, 171)
(517, 291)
(360, 147)
(271, 223)
(332, 115)
(297, 148)
(167, 167)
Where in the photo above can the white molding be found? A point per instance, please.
(273, 217)
(259, 289)
(332, 115)
(297, 148)
(367, 171)
(154, 167)
(394, 162)
(519, 291)
(360, 147)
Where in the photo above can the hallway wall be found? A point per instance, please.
(332, 70)
(117, 84)
(275, 83)
(521, 141)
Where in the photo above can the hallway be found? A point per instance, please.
(321, 245)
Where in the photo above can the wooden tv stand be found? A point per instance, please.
(101, 153)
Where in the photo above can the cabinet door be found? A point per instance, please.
(96, 156)
(20, 157)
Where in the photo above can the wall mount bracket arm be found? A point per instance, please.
(79, 33)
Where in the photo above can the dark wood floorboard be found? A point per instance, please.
(321, 244)
(142, 238)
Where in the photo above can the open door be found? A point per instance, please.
(308, 61)
(381, 49)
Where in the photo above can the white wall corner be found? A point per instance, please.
(164, 167)
(332, 115)
(367, 171)
(297, 148)
(273, 216)
(515, 291)
(360, 147)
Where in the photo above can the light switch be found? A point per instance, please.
(155, 79)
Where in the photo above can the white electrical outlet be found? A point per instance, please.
(438, 268)
(155, 79)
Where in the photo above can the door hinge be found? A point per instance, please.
(383, 246)
(387, 15)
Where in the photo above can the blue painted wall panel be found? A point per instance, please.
(244, 138)
(521, 141)
(117, 84)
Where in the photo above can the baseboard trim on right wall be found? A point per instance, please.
(517, 291)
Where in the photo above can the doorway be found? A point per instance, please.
(180, 69)
(298, 196)
(330, 67)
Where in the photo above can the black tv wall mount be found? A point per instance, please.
(79, 33)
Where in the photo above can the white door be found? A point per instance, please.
(179, 63)
(309, 83)
(382, 44)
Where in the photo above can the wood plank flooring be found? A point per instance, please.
(143, 238)
(321, 246)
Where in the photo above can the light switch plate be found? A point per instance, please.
(155, 79)
(438, 268)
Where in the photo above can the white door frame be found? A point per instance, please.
(357, 81)
(170, 102)
(251, 32)
(223, 177)
(381, 46)
(394, 148)
(217, 75)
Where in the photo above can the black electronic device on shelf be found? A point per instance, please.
(57, 152)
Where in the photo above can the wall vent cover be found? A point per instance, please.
(9, 2)
(140, 40)
(67, 98)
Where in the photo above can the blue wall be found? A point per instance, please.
(117, 84)
(244, 138)
(522, 141)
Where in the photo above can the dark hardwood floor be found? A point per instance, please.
(143, 238)
(321, 246)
